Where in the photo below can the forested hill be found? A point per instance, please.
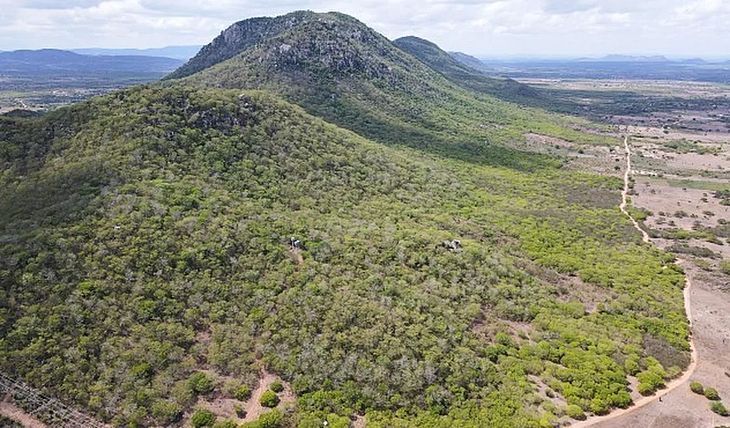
(439, 277)
(475, 79)
(339, 69)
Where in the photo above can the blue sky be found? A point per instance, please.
(493, 28)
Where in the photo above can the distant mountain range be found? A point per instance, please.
(176, 52)
(607, 67)
(54, 61)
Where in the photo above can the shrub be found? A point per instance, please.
(575, 412)
(242, 393)
(599, 407)
(652, 378)
(225, 424)
(277, 386)
(711, 394)
(166, 412)
(202, 418)
(631, 365)
(240, 411)
(725, 267)
(697, 387)
(201, 383)
(719, 408)
(272, 419)
(269, 399)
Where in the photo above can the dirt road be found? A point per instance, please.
(689, 372)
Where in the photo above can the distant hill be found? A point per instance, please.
(176, 52)
(630, 58)
(54, 61)
(468, 77)
(468, 60)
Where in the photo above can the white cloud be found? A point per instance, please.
(486, 27)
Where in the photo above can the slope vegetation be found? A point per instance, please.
(341, 70)
(146, 260)
(474, 79)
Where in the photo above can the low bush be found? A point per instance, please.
(202, 418)
(711, 394)
(575, 412)
(272, 419)
(725, 267)
(201, 383)
(697, 388)
(277, 386)
(269, 399)
(719, 408)
(242, 393)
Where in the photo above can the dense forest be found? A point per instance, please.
(339, 214)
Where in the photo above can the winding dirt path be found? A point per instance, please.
(625, 193)
(674, 384)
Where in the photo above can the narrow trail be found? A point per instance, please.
(625, 193)
(674, 384)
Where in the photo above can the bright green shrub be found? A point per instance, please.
(272, 419)
(712, 394)
(719, 408)
(242, 393)
(269, 399)
(575, 412)
(651, 379)
(201, 383)
(202, 418)
(697, 388)
(631, 365)
(225, 424)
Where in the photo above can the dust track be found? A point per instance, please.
(674, 384)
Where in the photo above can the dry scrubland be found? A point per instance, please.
(681, 162)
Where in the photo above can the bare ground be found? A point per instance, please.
(10, 410)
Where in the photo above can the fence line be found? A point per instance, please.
(49, 410)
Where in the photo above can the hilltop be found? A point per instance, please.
(339, 69)
(307, 201)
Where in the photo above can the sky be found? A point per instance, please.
(486, 28)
